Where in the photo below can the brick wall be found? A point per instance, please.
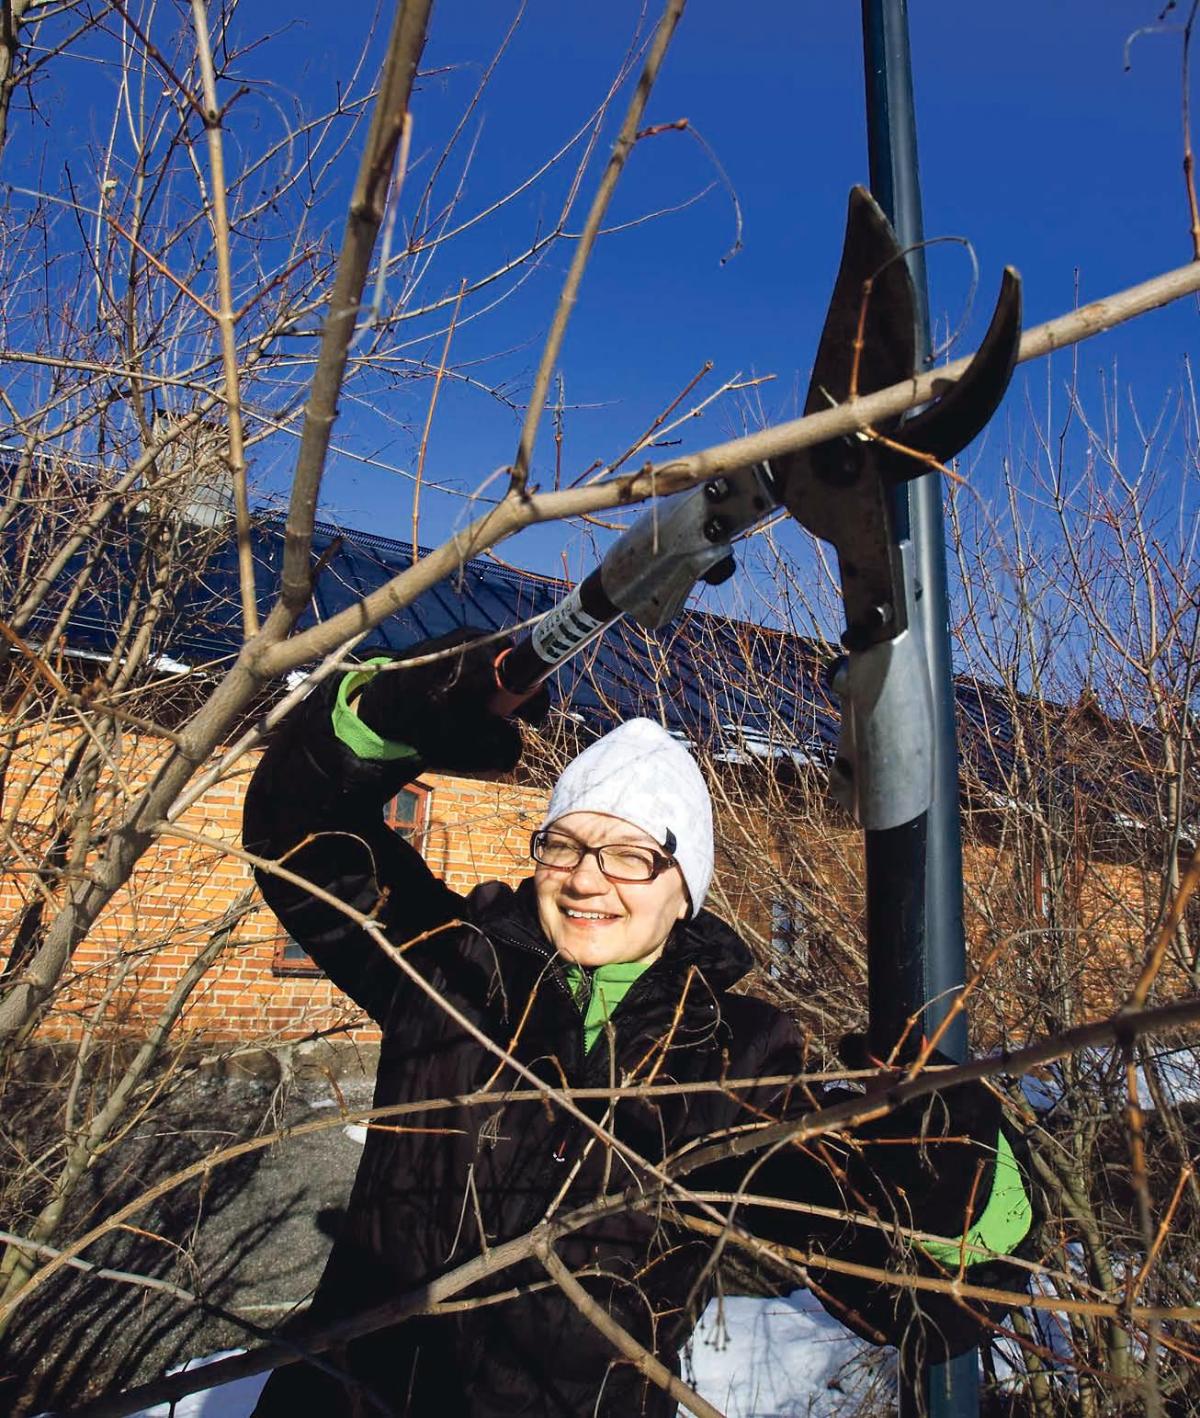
(124, 973)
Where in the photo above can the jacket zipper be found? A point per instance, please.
(558, 1154)
(555, 974)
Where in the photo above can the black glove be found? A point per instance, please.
(928, 1165)
(441, 709)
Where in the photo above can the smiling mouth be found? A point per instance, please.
(573, 915)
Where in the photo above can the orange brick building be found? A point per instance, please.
(780, 848)
(260, 988)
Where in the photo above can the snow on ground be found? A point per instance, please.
(235, 1400)
(779, 1358)
(752, 1358)
(1177, 1071)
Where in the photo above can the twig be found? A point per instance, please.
(587, 239)
(647, 437)
(927, 460)
(424, 448)
(1164, 1230)
(860, 340)
(958, 1003)
(723, 178)
(1139, 1182)
(226, 319)
(158, 56)
(393, 210)
(163, 269)
(621, 1340)
(1189, 162)
(968, 1218)
(102, 1272)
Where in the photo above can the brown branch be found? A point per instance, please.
(656, 425)
(424, 1300)
(622, 148)
(926, 460)
(226, 319)
(621, 1340)
(163, 269)
(1180, 1015)
(964, 1290)
(1164, 1230)
(368, 205)
(424, 445)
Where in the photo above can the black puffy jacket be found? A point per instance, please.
(435, 1188)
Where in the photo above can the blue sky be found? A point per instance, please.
(1035, 143)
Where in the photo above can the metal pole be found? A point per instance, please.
(914, 872)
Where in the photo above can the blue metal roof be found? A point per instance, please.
(746, 689)
(703, 676)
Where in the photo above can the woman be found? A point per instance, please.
(601, 968)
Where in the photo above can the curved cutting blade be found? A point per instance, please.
(947, 425)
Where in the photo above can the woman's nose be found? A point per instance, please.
(586, 873)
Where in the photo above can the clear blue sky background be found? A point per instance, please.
(1034, 142)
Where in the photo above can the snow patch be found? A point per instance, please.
(232, 1400)
(1176, 1071)
(753, 1358)
(781, 1358)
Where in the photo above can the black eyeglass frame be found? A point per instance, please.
(660, 861)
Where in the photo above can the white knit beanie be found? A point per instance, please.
(640, 774)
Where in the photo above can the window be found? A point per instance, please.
(407, 814)
(783, 925)
(1042, 888)
(789, 935)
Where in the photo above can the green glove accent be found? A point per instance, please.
(609, 986)
(362, 741)
(1005, 1221)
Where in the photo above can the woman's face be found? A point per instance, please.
(593, 921)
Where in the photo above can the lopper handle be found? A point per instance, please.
(574, 623)
(519, 673)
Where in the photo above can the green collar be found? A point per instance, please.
(598, 992)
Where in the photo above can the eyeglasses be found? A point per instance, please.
(618, 861)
